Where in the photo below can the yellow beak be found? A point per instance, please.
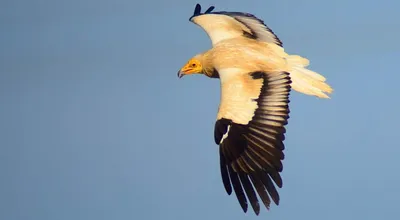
(187, 70)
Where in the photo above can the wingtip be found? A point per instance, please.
(244, 207)
(209, 9)
(197, 9)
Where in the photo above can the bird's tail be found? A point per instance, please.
(305, 80)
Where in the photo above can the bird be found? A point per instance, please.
(256, 78)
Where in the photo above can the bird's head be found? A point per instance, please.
(193, 66)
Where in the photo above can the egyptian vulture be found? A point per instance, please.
(256, 77)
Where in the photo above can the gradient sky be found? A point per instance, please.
(95, 124)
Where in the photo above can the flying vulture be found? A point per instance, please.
(256, 77)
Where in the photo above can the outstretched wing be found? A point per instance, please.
(250, 132)
(225, 25)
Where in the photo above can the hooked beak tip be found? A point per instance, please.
(180, 74)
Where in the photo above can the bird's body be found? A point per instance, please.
(253, 54)
(246, 54)
(256, 76)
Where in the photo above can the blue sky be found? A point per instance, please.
(95, 123)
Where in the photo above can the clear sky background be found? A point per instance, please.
(95, 124)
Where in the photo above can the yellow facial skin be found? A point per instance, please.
(193, 66)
